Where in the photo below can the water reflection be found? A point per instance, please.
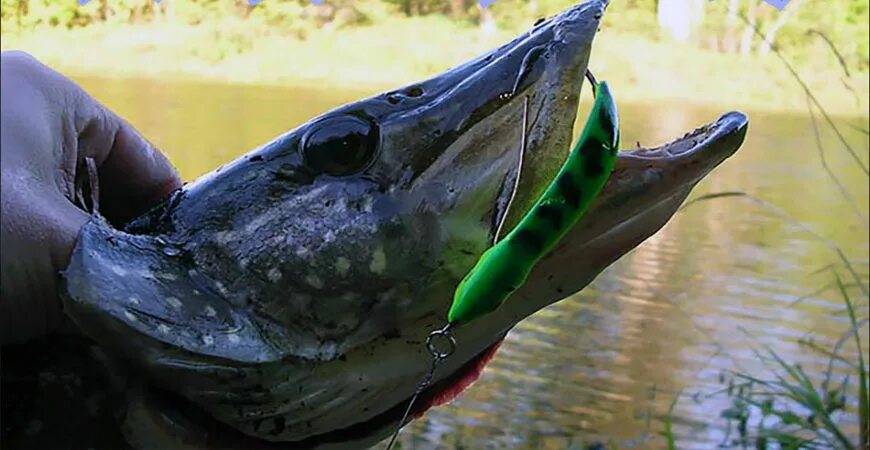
(692, 302)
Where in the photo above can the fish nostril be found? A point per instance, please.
(395, 98)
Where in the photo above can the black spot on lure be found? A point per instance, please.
(504, 267)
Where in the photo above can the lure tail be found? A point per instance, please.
(504, 267)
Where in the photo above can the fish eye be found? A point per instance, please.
(340, 146)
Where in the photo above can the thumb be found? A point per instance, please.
(133, 175)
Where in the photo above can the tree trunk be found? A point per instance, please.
(679, 17)
(457, 8)
(783, 17)
(729, 41)
(21, 10)
(487, 22)
(699, 11)
(244, 8)
(534, 8)
(749, 30)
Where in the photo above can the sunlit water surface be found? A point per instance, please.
(675, 315)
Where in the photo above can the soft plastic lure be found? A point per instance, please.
(504, 267)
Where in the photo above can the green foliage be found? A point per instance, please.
(843, 22)
(789, 409)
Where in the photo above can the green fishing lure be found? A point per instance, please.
(504, 267)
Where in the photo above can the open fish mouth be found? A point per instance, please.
(283, 300)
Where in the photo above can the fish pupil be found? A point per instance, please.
(340, 146)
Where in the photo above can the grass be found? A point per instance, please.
(791, 409)
(788, 409)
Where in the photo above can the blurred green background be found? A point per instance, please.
(658, 347)
(691, 50)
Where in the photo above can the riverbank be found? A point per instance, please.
(402, 50)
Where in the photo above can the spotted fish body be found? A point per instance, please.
(503, 268)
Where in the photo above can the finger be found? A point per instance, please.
(37, 241)
(133, 175)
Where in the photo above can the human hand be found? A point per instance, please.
(49, 127)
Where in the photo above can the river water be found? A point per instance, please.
(676, 315)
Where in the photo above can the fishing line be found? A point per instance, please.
(443, 333)
(426, 381)
(516, 186)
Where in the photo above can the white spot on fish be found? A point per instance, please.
(209, 311)
(274, 275)
(224, 237)
(328, 350)
(133, 300)
(385, 296)
(173, 302)
(146, 274)
(167, 276)
(130, 316)
(301, 251)
(342, 265)
(119, 271)
(207, 339)
(341, 205)
(196, 292)
(233, 338)
(329, 237)
(379, 261)
(163, 328)
(314, 281)
(220, 287)
(368, 202)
